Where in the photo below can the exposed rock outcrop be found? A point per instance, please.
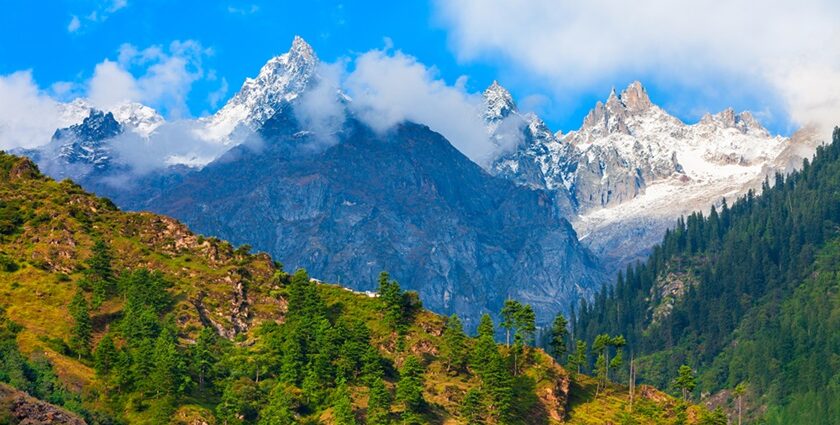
(18, 408)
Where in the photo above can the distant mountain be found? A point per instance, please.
(621, 180)
(632, 169)
(407, 202)
(136, 117)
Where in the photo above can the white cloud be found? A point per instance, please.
(391, 88)
(789, 48)
(161, 78)
(175, 142)
(28, 117)
(321, 109)
(74, 24)
(112, 85)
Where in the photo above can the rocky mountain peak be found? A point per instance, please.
(498, 101)
(301, 50)
(282, 79)
(745, 122)
(83, 142)
(635, 98)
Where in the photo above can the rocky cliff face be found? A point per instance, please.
(407, 202)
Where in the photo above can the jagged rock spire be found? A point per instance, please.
(635, 98)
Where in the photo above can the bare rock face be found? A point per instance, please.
(18, 408)
(407, 202)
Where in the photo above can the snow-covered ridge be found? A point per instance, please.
(136, 117)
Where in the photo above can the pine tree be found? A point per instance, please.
(393, 301)
(80, 336)
(454, 349)
(510, 313)
(578, 359)
(485, 347)
(99, 263)
(142, 364)
(485, 327)
(526, 325)
(471, 407)
(293, 360)
(168, 375)
(203, 357)
(618, 342)
(685, 381)
(343, 406)
(122, 371)
(600, 372)
(410, 385)
(559, 334)
(105, 356)
(279, 409)
(372, 368)
(379, 403)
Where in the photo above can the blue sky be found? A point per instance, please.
(536, 54)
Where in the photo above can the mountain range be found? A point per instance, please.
(632, 169)
(546, 222)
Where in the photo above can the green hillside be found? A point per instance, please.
(131, 318)
(747, 295)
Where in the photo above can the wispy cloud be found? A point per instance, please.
(101, 13)
(74, 24)
(217, 96)
(243, 10)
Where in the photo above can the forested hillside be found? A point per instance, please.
(131, 318)
(747, 295)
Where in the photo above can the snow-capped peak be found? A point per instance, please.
(137, 118)
(282, 79)
(498, 102)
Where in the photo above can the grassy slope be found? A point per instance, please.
(60, 223)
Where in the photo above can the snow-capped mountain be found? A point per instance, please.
(530, 154)
(136, 117)
(82, 143)
(281, 79)
(632, 168)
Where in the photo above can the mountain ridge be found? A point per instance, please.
(630, 159)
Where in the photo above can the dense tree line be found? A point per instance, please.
(740, 261)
